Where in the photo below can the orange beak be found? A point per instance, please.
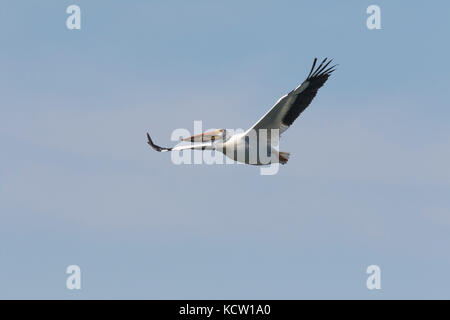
(205, 136)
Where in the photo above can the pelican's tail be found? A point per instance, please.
(283, 157)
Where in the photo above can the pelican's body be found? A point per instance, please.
(259, 144)
(241, 150)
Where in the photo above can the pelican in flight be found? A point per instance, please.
(241, 146)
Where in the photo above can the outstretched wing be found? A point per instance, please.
(289, 107)
(196, 146)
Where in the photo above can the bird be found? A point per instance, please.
(245, 147)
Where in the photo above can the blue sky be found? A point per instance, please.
(368, 180)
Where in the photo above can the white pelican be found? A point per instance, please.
(278, 118)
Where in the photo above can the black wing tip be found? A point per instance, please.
(321, 70)
(312, 68)
(154, 146)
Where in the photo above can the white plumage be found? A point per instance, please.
(246, 147)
